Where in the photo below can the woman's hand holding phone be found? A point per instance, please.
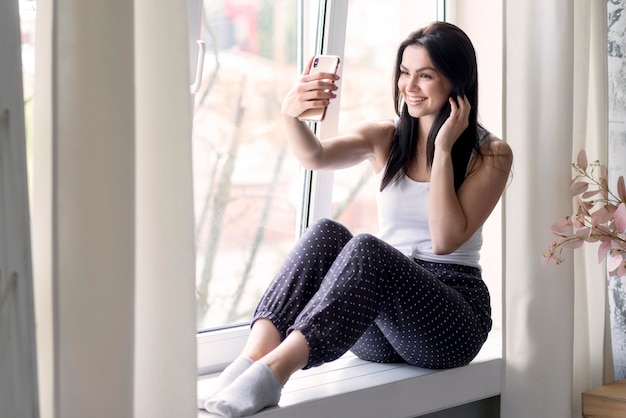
(310, 96)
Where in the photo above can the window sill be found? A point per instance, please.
(350, 387)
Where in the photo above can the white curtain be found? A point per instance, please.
(18, 374)
(113, 233)
(555, 105)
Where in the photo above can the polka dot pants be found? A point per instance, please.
(358, 293)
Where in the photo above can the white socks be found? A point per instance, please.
(255, 389)
(232, 372)
(228, 375)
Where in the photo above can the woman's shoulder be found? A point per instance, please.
(377, 128)
(378, 133)
(496, 146)
(497, 150)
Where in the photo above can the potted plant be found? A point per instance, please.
(600, 218)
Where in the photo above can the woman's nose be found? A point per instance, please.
(413, 83)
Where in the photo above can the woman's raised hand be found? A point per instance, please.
(310, 91)
(456, 123)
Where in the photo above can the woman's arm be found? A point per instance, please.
(367, 140)
(455, 216)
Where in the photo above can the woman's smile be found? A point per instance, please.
(414, 100)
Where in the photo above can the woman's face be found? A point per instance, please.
(423, 88)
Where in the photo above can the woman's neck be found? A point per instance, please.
(419, 170)
(423, 129)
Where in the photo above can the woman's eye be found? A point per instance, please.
(425, 76)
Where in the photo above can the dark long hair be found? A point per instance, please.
(453, 55)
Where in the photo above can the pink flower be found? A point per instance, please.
(603, 250)
(616, 264)
(619, 216)
(621, 188)
(562, 227)
(582, 160)
(600, 217)
(552, 255)
(578, 219)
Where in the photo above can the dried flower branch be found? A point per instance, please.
(600, 217)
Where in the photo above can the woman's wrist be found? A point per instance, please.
(291, 119)
(443, 152)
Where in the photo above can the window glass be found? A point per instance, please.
(373, 34)
(247, 187)
(245, 180)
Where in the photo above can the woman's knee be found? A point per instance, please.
(365, 241)
(366, 248)
(328, 227)
(326, 223)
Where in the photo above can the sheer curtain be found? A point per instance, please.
(555, 105)
(18, 374)
(113, 223)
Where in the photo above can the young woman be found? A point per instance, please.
(414, 294)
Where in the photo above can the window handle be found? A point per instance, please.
(195, 86)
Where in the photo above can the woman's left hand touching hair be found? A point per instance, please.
(456, 123)
(454, 216)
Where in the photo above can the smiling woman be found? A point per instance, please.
(346, 195)
(419, 301)
(249, 210)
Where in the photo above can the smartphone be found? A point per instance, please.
(323, 64)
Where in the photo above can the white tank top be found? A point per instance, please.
(403, 221)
